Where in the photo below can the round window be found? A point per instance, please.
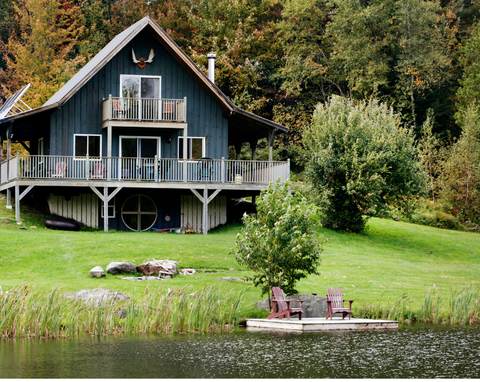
(139, 213)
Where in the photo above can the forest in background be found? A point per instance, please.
(280, 58)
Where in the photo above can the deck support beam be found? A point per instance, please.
(205, 199)
(19, 197)
(17, 203)
(105, 198)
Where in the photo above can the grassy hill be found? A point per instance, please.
(389, 260)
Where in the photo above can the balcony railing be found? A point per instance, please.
(144, 109)
(143, 169)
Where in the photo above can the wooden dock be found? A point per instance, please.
(318, 324)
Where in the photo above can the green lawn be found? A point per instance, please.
(391, 258)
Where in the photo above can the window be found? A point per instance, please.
(139, 86)
(85, 144)
(195, 147)
(41, 146)
(139, 213)
(111, 209)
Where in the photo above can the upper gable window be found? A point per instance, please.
(132, 86)
(87, 144)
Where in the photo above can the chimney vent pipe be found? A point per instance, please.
(211, 66)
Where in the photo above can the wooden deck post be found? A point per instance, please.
(223, 170)
(185, 153)
(109, 152)
(253, 146)
(105, 209)
(205, 211)
(270, 139)
(17, 203)
(9, 149)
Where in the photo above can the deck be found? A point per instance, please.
(320, 323)
(141, 172)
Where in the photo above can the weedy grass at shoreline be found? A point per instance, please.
(28, 311)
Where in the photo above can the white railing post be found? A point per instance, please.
(18, 166)
(222, 171)
(87, 167)
(288, 169)
(155, 169)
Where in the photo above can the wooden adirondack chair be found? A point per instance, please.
(98, 171)
(281, 307)
(335, 304)
(60, 170)
(118, 111)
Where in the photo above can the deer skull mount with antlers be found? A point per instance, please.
(141, 62)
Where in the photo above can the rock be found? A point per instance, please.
(313, 306)
(33, 227)
(97, 272)
(156, 267)
(187, 271)
(22, 227)
(97, 296)
(230, 279)
(116, 268)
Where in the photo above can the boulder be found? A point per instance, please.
(230, 279)
(97, 272)
(116, 268)
(97, 296)
(313, 306)
(159, 267)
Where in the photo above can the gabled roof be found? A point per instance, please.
(120, 41)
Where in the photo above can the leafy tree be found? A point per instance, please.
(430, 156)
(469, 90)
(361, 34)
(303, 77)
(41, 54)
(359, 160)
(423, 58)
(461, 170)
(280, 244)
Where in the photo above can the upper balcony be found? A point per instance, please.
(154, 112)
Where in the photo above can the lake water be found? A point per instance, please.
(424, 352)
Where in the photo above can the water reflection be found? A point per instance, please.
(411, 352)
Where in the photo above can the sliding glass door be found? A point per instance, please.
(141, 96)
(138, 157)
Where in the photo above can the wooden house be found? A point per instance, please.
(138, 139)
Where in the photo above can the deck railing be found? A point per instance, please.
(143, 169)
(144, 109)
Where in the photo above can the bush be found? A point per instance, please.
(360, 160)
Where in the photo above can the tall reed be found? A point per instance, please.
(27, 311)
(462, 307)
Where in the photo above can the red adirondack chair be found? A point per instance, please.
(281, 307)
(60, 170)
(335, 304)
(98, 171)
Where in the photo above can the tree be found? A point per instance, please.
(461, 170)
(469, 90)
(361, 39)
(360, 159)
(280, 245)
(423, 58)
(430, 156)
(41, 54)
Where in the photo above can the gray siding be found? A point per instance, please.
(82, 114)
